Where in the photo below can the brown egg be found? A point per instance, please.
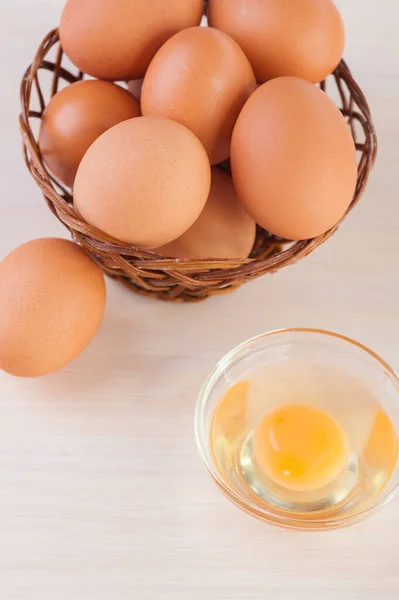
(52, 300)
(144, 182)
(75, 118)
(293, 159)
(303, 38)
(223, 229)
(117, 40)
(202, 79)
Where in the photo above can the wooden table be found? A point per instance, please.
(102, 495)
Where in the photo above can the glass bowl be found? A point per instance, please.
(346, 375)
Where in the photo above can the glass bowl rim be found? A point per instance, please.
(241, 501)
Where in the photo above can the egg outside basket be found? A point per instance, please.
(147, 272)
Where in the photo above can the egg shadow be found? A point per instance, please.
(98, 366)
(128, 351)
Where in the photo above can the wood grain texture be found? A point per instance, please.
(102, 496)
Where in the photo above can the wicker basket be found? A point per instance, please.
(147, 272)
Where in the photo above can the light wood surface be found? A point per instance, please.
(102, 495)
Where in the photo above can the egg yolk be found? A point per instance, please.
(230, 416)
(300, 447)
(381, 450)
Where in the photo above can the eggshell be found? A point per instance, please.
(52, 300)
(75, 118)
(202, 79)
(223, 230)
(144, 182)
(117, 40)
(293, 159)
(302, 38)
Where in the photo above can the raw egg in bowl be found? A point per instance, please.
(299, 428)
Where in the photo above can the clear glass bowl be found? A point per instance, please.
(343, 367)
